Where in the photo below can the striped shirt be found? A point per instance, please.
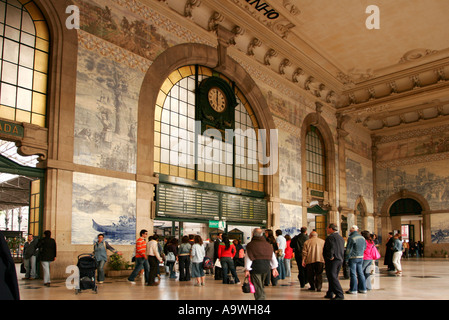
(141, 247)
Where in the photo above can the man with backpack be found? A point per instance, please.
(297, 244)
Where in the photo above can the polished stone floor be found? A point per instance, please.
(423, 279)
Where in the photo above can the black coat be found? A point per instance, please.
(9, 287)
(297, 243)
(47, 249)
(388, 259)
(334, 247)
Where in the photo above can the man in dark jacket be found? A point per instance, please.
(259, 260)
(9, 288)
(333, 253)
(47, 254)
(297, 244)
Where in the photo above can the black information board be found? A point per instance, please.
(179, 202)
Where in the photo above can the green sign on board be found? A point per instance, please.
(217, 224)
(10, 128)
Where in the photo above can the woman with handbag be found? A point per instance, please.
(370, 254)
(226, 252)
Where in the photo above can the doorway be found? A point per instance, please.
(21, 196)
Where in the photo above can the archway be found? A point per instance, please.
(409, 209)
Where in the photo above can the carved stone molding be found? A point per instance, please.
(34, 142)
(416, 54)
(270, 54)
(252, 45)
(190, 5)
(284, 64)
(214, 20)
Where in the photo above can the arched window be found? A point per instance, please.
(180, 151)
(24, 56)
(315, 160)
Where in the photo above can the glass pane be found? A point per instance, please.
(24, 99)
(13, 16)
(28, 39)
(8, 95)
(39, 103)
(25, 78)
(2, 11)
(11, 51)
(27, 57)
(40, 82)
(9, 73)
(27, 23)
(12, 33)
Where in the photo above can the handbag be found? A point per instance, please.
(170, 257)
(207, 263)
(218, 263)
(247, 286)
(375, 253)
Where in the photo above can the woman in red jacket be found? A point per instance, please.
(288, 256)
(226, 252)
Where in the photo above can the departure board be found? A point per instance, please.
(174, 201)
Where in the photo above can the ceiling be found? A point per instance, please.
(383, 78)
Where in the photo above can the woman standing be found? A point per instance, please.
(397, 249)
(226, 252)
(288, 256)
(368, 258)
(198, 254)
(171, 256)
(184, 259)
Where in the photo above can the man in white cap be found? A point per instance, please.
(354, 255)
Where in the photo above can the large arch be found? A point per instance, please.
(168, 61)
(394, 223)
(403, 194)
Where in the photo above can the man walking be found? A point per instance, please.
(355, 249)
(313, 261)
(259, 259)
(333, 253)
(141, 258)
(297, 244)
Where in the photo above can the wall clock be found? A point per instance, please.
(217, 99)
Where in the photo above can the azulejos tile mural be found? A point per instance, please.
(103, 205)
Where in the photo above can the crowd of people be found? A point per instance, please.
(266, 259)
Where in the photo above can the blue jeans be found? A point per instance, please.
(228, 264)
(141, 263)
(171, 269)
(46, 270)
(100, 270)
(357, 280)
(366, 267)
(281, 268)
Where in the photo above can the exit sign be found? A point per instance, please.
(217, 224)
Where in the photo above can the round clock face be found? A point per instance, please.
(217, 99)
